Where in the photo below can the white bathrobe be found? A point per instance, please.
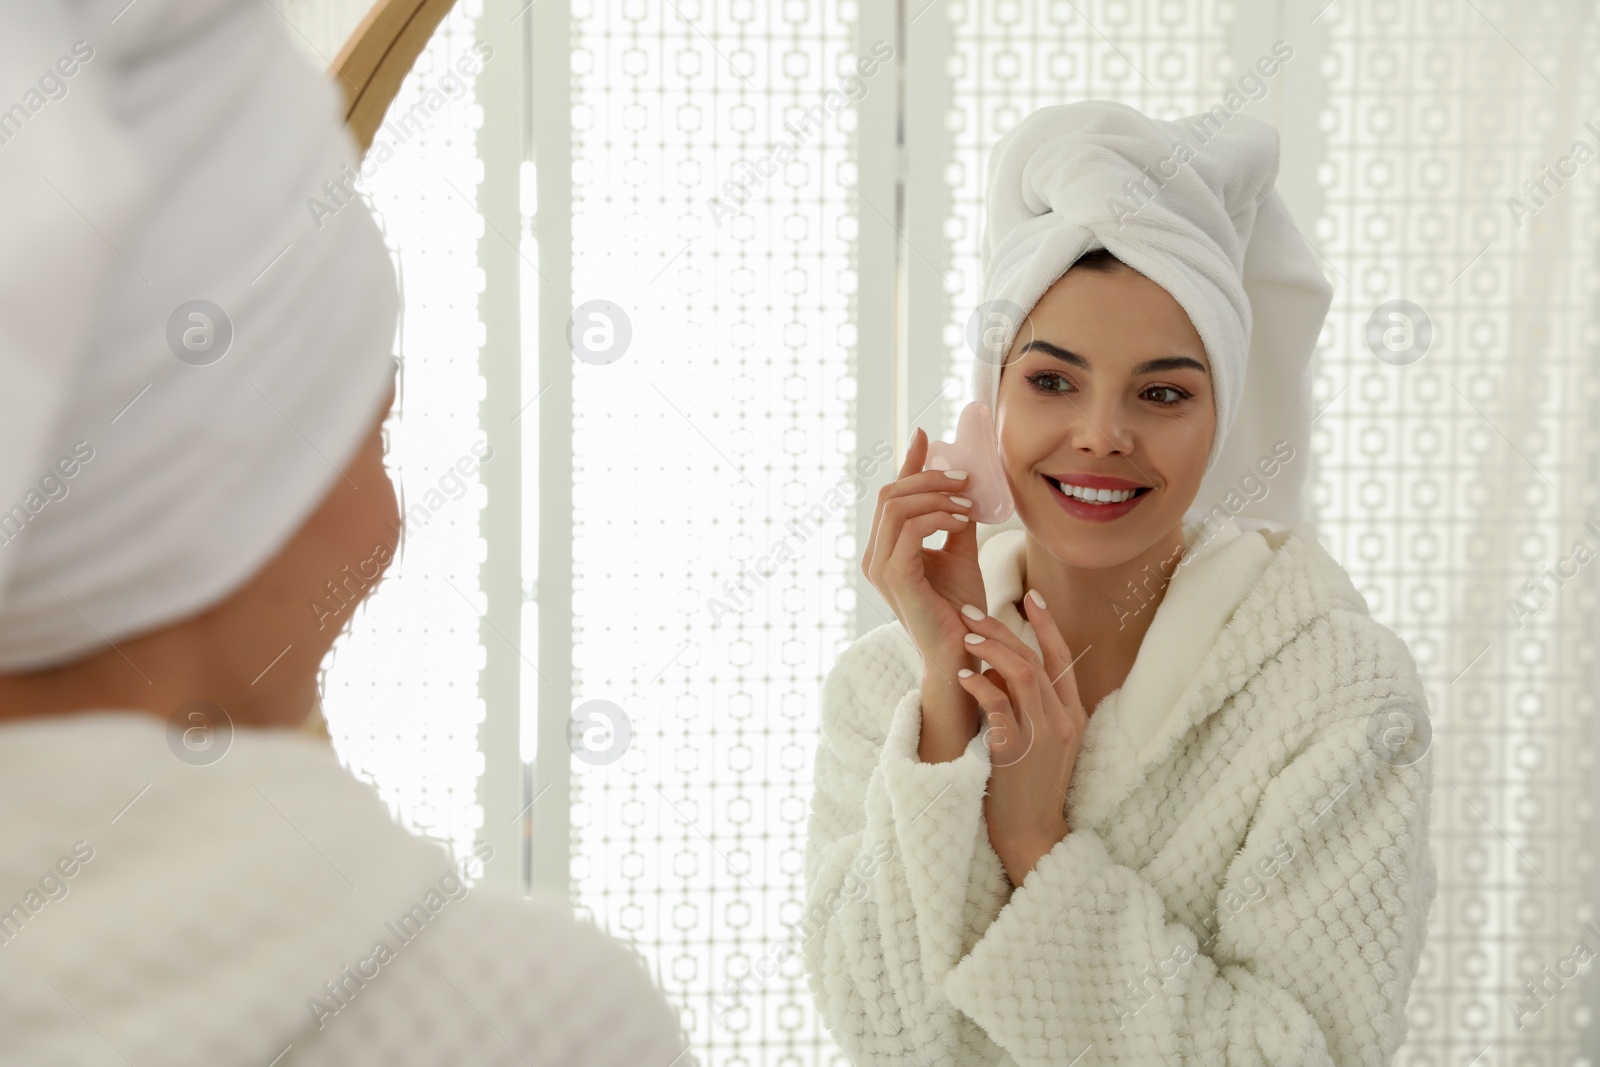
(156, 912)
(1247, 878)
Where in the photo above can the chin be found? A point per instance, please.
(1090, 545)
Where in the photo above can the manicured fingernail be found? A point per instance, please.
(1037, 599)
(973, 639)
(964, 673)
(963, 501)
(971, 611)
(955, 474)
(961, 518)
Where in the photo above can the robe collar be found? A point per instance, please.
(1200, 648)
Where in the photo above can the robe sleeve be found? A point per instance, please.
(900, 876)
(1307, 959)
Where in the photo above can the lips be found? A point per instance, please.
(1095, 512)
(1137, 490)
(1095, 481)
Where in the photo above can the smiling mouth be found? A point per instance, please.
(1102, 497)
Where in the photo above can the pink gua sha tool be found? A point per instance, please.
(977, 452)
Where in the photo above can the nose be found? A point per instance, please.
(1099, 426)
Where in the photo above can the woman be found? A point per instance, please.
(186, 878)
(1193, 826)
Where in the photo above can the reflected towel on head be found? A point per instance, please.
(199, 314)
(1191, 205)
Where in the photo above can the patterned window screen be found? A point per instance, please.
(711, 153)
(1454, 472)
(1459, 486)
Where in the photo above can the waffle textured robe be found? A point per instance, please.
(1247, 877)
(154, 911)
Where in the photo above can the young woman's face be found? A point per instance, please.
(305, 596)
(1107, 377)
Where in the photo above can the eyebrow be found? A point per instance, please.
(1149, 366)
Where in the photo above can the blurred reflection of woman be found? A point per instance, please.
(187, 522)
(1194, 827)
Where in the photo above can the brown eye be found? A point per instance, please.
(1039, 377)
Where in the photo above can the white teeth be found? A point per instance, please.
(1096, 496)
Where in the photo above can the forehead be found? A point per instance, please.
(1117, 319)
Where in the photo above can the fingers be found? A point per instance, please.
(916, 452)
(994, 643)
(900, 502)
(1008, 731)
(963, 541)
(916, 455)
(904, 550)
(1058, 658)
(1026, 675)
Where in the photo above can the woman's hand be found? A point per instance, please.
(1036, 723)
(924, 586)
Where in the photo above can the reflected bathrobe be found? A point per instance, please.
(1247, 877)
(265, 908)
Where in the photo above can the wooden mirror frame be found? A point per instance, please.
(374, 62)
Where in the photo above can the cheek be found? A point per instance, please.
(1185, 470)
(378, 505)
(1024, 435)
(383, 530)
(1183, 465)
(386, 508)
(1019, 451)
(1191, 444)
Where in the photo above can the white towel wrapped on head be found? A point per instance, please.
(1191, 205)
(141, 482)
